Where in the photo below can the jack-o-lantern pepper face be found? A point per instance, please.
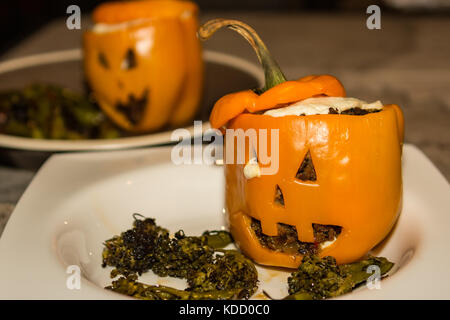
(143, 63)
(338, 188)
(334, 170)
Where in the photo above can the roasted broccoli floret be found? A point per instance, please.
(229, 271)
(149, 247)
(322, 278)
(45, 111)
(133, 250)
(210, 271)
(180, 256)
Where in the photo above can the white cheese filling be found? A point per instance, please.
(111, 27)
(251, 169)
(322, 105)
(325, 244)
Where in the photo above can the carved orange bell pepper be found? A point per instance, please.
(143, 62)
(354, 161)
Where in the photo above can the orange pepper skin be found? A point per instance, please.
(357, 160)
(169, 64)
(234, 104)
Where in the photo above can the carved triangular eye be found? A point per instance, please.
(279, 198)
(306, 172)
(102, 60)
(129, 62)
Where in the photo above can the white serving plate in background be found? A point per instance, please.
(76, 201)
(58, 60)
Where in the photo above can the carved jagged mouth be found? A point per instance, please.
(134, 108)
(287, 239)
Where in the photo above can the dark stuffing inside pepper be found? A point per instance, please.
(287, 239)
(353, 111)
(306, 172)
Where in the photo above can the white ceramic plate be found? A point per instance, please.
(57, 59)
(76, 201)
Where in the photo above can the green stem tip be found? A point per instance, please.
(272, 72)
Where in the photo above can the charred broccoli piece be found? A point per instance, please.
(133, 250)
(322, 278)
(181, 255)
(45, 111)
(210, 271)
(149, 247)
(230, 270)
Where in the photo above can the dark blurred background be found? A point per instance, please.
(21, 17)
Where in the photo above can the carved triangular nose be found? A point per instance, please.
(279, 198)
(306, 172)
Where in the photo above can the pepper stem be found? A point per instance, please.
(272, 72)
